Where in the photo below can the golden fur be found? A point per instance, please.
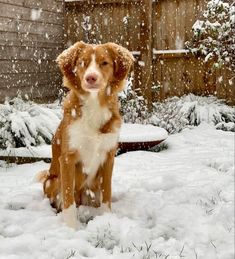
(66, 183)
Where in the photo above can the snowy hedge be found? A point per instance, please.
(214, 34)
(133, 107)
(177, 113)
(25, 123)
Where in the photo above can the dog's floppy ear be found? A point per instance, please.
(67, 61)
(122, 58)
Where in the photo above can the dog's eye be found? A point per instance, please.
(104, 63)
(81, 63)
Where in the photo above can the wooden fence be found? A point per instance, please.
(155, 31)
(31, 36)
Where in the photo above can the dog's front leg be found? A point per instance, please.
(67, 169)
(106, 174)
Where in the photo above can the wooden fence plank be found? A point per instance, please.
(25, 66)
(180, 24)
(27, 53)
(9, 37)
(103, 2)
(25, 13)
(146, 49)
(29, 46)
(225, 83)
(42, 93)
(9, 24)
(30, 83)
(52, 5)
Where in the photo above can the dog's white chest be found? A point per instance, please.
(84, 136)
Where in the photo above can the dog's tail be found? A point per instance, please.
(42, 176)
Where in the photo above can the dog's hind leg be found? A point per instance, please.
(51, 182)
(51, 188)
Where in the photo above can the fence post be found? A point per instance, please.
(146, 49)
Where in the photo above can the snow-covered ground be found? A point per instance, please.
(178, 203)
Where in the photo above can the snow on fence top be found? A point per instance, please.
(170, 51)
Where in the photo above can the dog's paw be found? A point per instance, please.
(70, 217)
(105, 208)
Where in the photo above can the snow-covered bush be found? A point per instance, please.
(25, 123)
(177, 113)
(104, 237)
(214, 35)
(133, 107)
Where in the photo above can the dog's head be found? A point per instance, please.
(90, 68)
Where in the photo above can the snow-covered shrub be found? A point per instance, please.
(144, 251)
(214, 35)
(160, 147)
(177, 113)
(25, 123)
(104, 238)
(133, 107)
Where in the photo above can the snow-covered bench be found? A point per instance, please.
(132, 137)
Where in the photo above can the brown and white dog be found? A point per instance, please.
(85, 142)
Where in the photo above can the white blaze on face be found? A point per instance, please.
(93, 69)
